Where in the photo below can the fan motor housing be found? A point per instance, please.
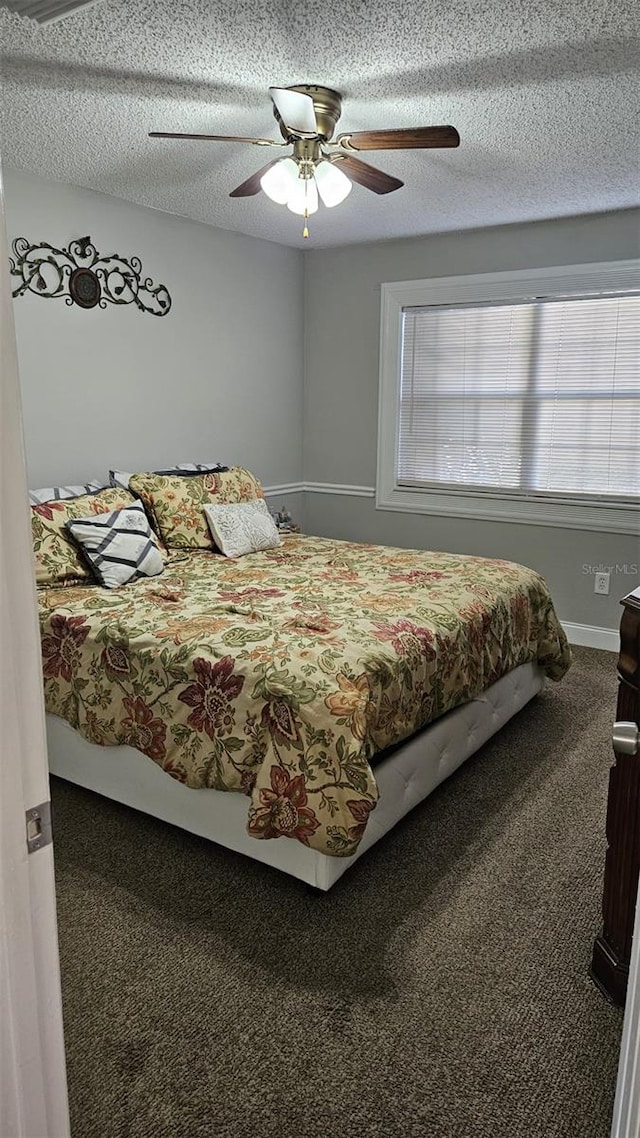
(327, 105)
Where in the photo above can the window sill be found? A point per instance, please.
(536, 512)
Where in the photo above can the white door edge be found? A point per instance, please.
(626, 1110)
(33, 1090)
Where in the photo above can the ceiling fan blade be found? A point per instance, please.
(368, 176)
(252, 184)
(296, 111)
(414, 138)
(216, 138)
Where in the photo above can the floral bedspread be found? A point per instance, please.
(280, 674)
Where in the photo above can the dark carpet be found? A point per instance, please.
(440, 990)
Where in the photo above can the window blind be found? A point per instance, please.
(46, 11)
(537, 397)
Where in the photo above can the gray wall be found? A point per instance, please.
(342, 326)
(222, 375)
(219, 377)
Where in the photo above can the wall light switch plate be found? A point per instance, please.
(601, 583)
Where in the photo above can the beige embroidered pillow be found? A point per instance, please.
(58, 560)
(176, 504)
(243, 527)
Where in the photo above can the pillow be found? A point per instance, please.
(58, 562)
(61, 493)
(176, 504)
(121, 477)
(119, 546)
(242, 527)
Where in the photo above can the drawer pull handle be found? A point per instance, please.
(625, 738)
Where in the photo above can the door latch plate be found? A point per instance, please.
(39, 829)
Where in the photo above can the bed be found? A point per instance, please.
(331, 685)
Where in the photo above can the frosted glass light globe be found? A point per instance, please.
(333, 185)
(303, 196)
(279, 181)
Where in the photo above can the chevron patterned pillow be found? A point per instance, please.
(119, 547)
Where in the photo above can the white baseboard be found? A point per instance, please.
(590, 636)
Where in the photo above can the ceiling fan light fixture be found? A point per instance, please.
(303, 198)
(333, 185)
(280, 180)
(307, 115)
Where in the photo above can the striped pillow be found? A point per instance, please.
(62, 493)
(122, 477)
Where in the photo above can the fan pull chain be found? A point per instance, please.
(305, 230)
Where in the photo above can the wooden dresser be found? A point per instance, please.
(612, 948)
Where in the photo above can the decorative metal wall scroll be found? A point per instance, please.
(85, 278)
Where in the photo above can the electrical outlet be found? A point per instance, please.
(601, 583)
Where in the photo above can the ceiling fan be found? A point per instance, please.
(320, 165)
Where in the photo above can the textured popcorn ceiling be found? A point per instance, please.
(542, 92)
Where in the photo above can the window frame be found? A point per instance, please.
(513, 285)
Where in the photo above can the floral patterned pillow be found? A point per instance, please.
(58, 561)
(177, 504)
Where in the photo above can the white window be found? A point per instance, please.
(514, 396)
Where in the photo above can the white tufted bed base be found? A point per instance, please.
(404, 779)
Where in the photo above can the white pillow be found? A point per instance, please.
(242, 527)
(119, 546)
